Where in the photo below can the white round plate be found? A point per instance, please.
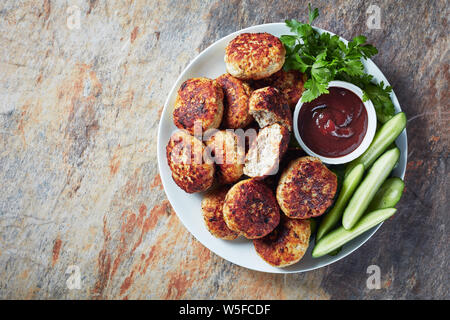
(210, 64)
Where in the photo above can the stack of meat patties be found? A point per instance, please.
(245, 192)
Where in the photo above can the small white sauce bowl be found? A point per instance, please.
(370, 133)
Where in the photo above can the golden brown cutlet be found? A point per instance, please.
(290, 83)
(229, 153)
(185, 159)
(212, 208)
(254, 56)
(236, 95)
(306, 188)
(286, 244)
(268, 106)
(266, 152)
(251, 209)
(198, 99)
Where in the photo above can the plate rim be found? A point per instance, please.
(161, 155)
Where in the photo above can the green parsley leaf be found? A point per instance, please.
(323, 58)
(380, 97)
(312, 15)
(288, 40)
(313, 90)
(353, 67)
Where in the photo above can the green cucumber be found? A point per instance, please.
(349, 185)
(383, 138)
(369, 187)
(337, 238)
(388, 195)
(335, 252)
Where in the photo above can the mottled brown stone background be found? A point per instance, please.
(79, 182)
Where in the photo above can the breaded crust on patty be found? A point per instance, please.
(254, 56)
(286, 244)
(236, 95)
(198, 99)
(306, 188)
(290, 83)
(268, 106)
(185, 159)
(251, 209)
(229, 154)
(212, 209)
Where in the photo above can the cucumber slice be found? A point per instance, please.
(341, 236)
(388, 195)
(349, 185)
(335, 252)
(383, 138)
(369, 187)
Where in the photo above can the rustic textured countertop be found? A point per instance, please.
(79, 182)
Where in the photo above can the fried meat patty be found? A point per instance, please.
(265, 153)
(198, 100)
(236, 96)
(229, 154)
(185, 159)
(212, 209)
(306, 188)
(290, 83)
(251, 209)
(286, 244)
(268, 106)
(254, 56)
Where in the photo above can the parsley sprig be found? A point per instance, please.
(324, 58)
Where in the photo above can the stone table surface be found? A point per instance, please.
(82, 87)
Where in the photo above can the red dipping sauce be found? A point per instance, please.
(334, 124)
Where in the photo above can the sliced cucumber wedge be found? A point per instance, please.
(369, 186)
(337, 238)
(384, 137)
(349, 185)
(388, 195)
